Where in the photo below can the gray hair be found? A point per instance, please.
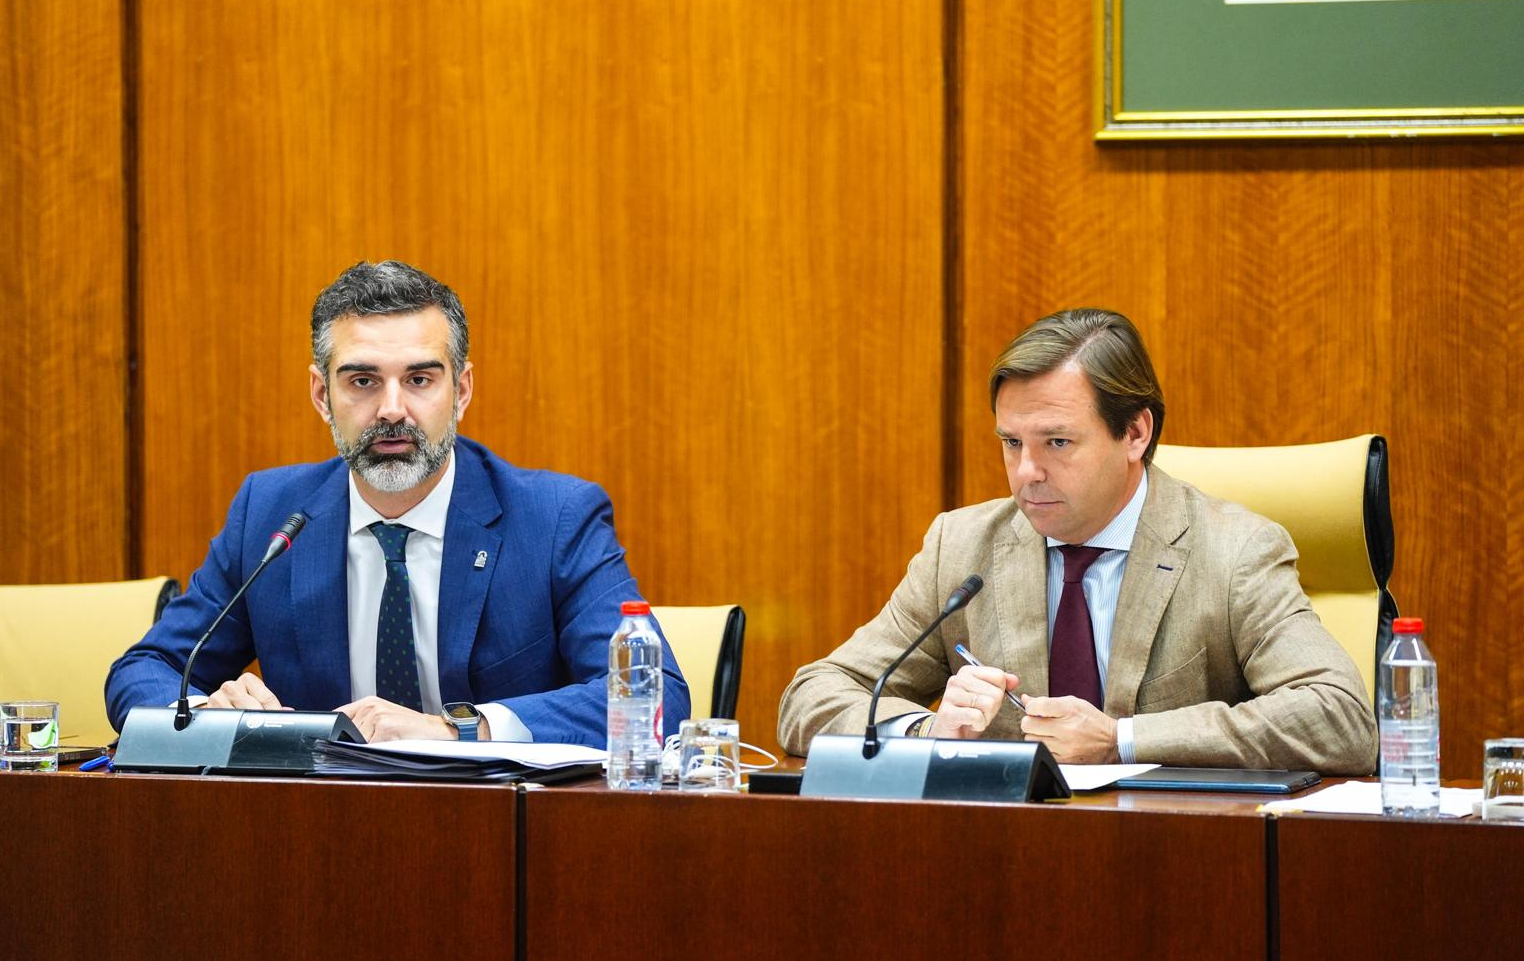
(390, 287)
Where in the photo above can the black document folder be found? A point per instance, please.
(1221, 779)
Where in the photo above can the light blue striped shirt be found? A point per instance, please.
(1102, 583)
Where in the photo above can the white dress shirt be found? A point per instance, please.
(365, 571)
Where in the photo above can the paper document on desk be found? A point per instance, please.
(457, 760)
(1089, 777)
(540, 756)
(1364, 797)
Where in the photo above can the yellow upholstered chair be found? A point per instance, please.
(707, 643)
(57, 642)
(1333, 500)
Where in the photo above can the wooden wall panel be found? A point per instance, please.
(63, 480)
(1289, 293)
(700, 244)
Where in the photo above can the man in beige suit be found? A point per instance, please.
(1138, 618)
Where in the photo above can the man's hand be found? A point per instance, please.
(1073, 728)
(382, 720)
(972, 699)
(248, 693)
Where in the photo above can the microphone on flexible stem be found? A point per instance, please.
(956, 601)
(280, 542)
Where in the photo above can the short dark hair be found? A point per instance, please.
(1107, 347)
(390, 287)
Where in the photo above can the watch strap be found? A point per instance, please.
(465, 730)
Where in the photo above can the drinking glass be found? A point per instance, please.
(29, 736)
(709, 755)
(1503, 779)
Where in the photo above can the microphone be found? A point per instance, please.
(961, 594)
(956, 601)
(280, 542)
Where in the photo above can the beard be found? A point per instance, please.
(393, 473)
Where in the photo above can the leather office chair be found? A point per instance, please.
(707, 642)
(57, 642)
(1333, 499)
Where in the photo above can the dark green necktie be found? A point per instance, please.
(396, 658)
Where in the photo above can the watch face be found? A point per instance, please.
(461, 711)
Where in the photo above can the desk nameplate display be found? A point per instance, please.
(227, 741)
(911, 768)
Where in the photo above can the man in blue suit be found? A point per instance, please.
(436, 591)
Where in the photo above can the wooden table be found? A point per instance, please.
(136, 866)
(734, 876)
(1352, 887)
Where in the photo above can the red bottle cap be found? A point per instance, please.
(1407, 625)
(634, 607)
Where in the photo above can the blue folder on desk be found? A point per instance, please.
(1221, 779)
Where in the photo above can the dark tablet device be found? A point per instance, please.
(1221, 779)
(73, 754)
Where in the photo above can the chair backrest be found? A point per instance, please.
(1333, 500)
(707, 643)
(57, 642)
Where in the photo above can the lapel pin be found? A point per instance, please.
(481, 559)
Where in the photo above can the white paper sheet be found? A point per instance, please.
(537, 755)
(1364, 797)
(1089, 777)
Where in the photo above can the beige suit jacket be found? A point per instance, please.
(1215, 651)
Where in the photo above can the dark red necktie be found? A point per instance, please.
(1071, 659)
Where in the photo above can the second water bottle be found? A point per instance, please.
(635, 702)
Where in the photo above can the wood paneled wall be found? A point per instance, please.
(1288, 293)
(63, 477)
(700, 245)
(702, 248)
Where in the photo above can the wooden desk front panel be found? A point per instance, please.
(735, 876)
(1383, 888)
(126, 867)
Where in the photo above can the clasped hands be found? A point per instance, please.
(377, 719)
(1072, 728)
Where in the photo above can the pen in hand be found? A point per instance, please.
(971, 659)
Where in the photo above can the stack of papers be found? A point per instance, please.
(457, 760)
(1364, 797)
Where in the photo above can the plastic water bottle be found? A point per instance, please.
(635, 702)
(1407, 706)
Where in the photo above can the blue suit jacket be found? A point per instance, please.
(529, 630)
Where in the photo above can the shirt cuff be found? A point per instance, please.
(504, 724)
(1124, 740)
(897, 726)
